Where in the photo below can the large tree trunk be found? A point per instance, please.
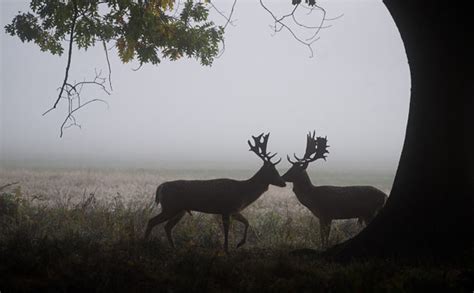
(429, 211)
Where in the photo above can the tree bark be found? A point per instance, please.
(429, 211)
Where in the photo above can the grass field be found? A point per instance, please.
(65, 229)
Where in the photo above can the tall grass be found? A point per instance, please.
(91, 241)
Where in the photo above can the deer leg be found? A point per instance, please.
(324, 228)
(328, 231)
(155, 221)
(226, 223)
(170, 224)
(322, 233)
(244, 221)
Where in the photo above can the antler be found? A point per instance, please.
(316, 148)
(260, 148)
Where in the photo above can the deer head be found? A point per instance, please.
(316, 148)
(268, 173)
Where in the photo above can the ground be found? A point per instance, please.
(83, 229)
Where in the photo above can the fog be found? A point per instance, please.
(355, 91)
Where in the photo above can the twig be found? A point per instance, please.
(76, 109)
(283, 25)
(138, 68)
(279, 24)
(229, 17)
(322, 22)
(73, 96)
(228, 21)
(108, 65)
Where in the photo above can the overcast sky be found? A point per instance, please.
(355, 90)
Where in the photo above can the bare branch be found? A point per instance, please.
(229, 20)
(312, 8)
(231, 13)
(222, 50)
(108, 65)
(308, 27)
(71, 41)
(138, 68)
(70, 114)
(280, 24)
(321, 24)
(227, 17)
(335, 18)
(283, 25)
(74, 99)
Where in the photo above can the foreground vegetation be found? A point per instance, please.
(94, 244)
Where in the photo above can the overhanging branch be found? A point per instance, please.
(69, 57)
(72, 92)
(108, 64)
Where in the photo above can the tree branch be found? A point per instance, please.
(283, 25)
(229, 17)
(279, 24)
(71, 41)
(70, 115)
(108, 64)
(73, 96)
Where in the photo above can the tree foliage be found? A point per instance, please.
(147, 30)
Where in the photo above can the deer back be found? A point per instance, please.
(215, 196)
(345, 202)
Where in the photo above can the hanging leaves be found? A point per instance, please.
(144, 30)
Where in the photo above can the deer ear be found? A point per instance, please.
(305, 165)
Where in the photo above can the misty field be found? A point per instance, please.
(64, 229)
(277, 218)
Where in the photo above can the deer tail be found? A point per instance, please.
(159, 194)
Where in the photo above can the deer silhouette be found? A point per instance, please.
(226, 197)
(331, 202)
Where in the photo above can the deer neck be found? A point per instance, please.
(302, 183)
(258, 182)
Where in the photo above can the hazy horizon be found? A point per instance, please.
(179, 114)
